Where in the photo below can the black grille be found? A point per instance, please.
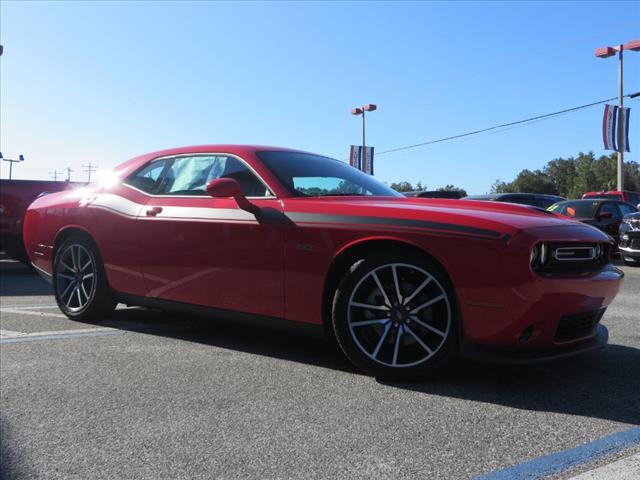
(576, 326)
(631, 243)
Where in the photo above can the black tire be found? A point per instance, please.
(630, 261)
(402, 343)
(90, 297)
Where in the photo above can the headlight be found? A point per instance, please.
(544, 252)
(539, 254)
(535, 252)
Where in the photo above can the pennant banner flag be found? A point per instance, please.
(623, 129)
(615, 128)
(354, 156)
(357, 160)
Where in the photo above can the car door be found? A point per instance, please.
(609, 224)
(206, 251)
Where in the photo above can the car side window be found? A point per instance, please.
(610, 207)
(190, 175)
(626, 209)
(147, 178)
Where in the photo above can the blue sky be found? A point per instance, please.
(103, 82)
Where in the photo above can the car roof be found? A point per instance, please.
(234, 149)
(494, 196)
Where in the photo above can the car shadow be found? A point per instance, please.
(20, 280)
(12, 465)
(601, 384)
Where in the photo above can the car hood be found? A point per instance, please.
(489, 219)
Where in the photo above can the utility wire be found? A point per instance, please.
(510, 124)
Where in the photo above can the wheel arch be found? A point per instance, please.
(68, 231)
(352, 252)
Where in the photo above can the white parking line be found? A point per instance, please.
(52, 333)
(624, 469)
(24, 311)
(29, 307)
(10, 334)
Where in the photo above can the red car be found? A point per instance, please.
(15, 197)
(624, 196)
(263, 233)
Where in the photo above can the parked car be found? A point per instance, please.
(15, 197)
(629, 234)
(434, 194)
(263, 234)
(624, 196)
(605, 215)
(534, 199)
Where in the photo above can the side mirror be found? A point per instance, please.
(228, 187)
(604, 215)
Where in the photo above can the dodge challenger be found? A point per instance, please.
(272, 235)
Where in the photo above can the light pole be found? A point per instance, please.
(11, 162)
(369, 107)
(605, 52)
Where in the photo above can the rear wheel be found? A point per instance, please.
(395, 316)
(80, 283)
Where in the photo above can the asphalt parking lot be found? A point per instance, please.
(153, 395)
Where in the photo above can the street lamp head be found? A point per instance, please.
(356, 111)
(632, 45)
(1, 157)
(369, 107)
(21, 157)
(605, 52)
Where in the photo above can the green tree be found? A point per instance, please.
(501, 187)
(572, 177)
(402, 186)
(453, 188)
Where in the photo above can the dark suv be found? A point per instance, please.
(629, 234)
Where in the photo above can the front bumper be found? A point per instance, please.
(554, 313)
(629, 245)
(486, 354)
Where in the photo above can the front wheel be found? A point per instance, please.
(79, 280)
(395, 316)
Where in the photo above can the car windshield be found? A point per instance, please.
(578, 208)
(308, 175)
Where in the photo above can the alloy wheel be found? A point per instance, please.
(76, 277)
(399, 315)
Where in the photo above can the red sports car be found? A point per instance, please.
(263, 233)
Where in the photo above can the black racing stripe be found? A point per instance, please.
(396, 222)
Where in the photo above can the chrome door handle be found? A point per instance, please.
(153, 211)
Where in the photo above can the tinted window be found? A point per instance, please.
(610, 207)
(626, 208)
(544, 202)
(146, 179)
(521, 199)
(190, 175)
(580, 209)
(634, 198)
(305, 174)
